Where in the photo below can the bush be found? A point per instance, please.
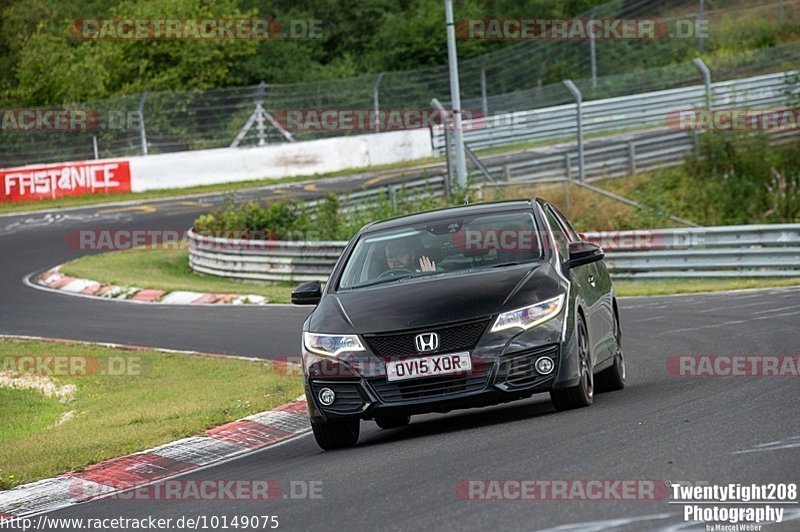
(293, 220)
(739, 178)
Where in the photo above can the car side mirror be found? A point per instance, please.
(307, 293)
(583, 252)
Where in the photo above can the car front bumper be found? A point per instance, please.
(498, 380)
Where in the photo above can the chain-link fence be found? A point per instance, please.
(526, 75)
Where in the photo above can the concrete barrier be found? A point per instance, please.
(207, 167)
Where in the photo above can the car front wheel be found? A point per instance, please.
(582, 394)
(613, 378)
(332, 435)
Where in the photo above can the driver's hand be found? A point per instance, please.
(426, 264)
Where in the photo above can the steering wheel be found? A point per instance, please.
(394, 272)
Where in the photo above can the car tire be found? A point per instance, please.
(392, 422)
(582, 394)
(613, 378)
(332, 435)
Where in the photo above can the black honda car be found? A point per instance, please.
(457, 308)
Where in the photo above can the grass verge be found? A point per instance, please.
(144, 399)
(169, 270)
(166, 269)
(657, 287)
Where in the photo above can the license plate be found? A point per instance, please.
(430, 366)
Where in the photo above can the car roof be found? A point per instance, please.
(460, 210)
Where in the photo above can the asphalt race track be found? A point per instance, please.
(663, 427)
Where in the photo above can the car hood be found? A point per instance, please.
(433, 301)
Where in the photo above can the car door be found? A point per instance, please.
(584, 278)
(599, 282)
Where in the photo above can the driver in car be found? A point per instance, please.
(400, 254)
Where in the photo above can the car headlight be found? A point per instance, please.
(530, 316)
(331, 344)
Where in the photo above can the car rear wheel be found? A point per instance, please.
(336, 434)
(613, 378)
(582, 394)
(392, 422)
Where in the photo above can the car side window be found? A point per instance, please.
(559, 235)
(573, 234)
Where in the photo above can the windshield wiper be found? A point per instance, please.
(504, 264)
(513, 263)
(382, 281)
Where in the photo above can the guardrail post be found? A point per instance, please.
(376, 102)
(568, 165)
(632, 157)
(506, 173)
(576, 93)
(706, 80)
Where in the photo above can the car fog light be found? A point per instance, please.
(326, 396)
(545, 365)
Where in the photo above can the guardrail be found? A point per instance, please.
(621, 156)
(771, 250)
(643, 110)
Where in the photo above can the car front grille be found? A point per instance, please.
(519, 369)
(429, 387)
(452, 338)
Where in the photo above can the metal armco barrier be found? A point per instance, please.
(617, 156)
(634, 111)
(771, 250)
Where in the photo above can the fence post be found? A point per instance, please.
(484, 100)
(706, 80)
(260, 115)
(94, 144)
(376, 103)
(140, 111)
(700, 17)
(593, 50)
(448, 161)
(576, 93)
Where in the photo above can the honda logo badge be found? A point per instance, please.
(427, 342)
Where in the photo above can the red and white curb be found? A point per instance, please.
(216, 445)
(54, 280)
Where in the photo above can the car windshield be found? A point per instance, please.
(442, 247)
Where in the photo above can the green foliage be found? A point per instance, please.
(43, 64)
(328, 220)
(278, 220)
(52, 66)
(739, 178)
